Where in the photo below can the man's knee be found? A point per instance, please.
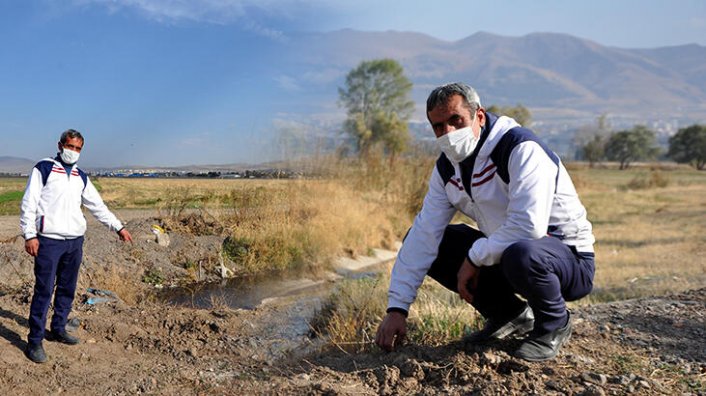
(517, 256)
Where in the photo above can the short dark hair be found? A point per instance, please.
(70, 134)
(442, 94)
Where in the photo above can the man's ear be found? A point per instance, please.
(481, 116)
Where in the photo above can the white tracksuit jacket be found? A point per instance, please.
(513, 187)
(51, 206)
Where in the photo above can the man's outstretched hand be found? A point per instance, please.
(125, 235)
(392, 331)
(467, 273)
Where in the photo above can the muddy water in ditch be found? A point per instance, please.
(298, 297)
(254, 291)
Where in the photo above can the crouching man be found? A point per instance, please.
(53, 226)
(533, 238)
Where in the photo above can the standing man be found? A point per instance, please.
(533, 238)
(53, 226)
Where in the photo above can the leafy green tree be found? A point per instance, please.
(520, 113)
(636, 144)
(688, 145)
(376, 97)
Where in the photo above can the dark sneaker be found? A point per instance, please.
(499, 329)
(36, 353)
(62, 337)
(544, 347)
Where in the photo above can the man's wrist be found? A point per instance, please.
(398, 310)
(468, 257)
(29, 237)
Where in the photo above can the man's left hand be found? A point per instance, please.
(125, 235)
(468, 273)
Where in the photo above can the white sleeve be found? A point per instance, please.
(92, 200)
(30, 204)
(421, 245)
(530, 194)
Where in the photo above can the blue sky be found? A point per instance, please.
(178, 82)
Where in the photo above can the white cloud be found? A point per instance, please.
(287, 83)
(240, 12)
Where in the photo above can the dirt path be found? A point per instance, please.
(647, 346)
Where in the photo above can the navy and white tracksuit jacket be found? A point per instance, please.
(512, 186)
(51, 211)
(51, 206)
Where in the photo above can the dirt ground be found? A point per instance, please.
(647, 346)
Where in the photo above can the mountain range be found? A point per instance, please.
(557, 76)
(15, 165)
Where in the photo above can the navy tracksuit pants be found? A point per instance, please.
(57, 263)
(545, 272)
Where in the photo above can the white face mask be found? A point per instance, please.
(459, 144)
(69, 157)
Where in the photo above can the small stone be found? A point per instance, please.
(91, 341)
(554, 386)
(304, 377)
(593, 390)
(621, 380)
(644, 384)
(594, 378)
(490, 358)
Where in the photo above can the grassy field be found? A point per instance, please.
(650, 226)
(11, 191)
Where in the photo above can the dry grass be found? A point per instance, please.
(649, 240)
(284, 224)
(353, 311)
(350, 315)
(111, 278)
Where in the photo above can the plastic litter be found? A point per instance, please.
(100, 296)
(157, 229)
(162, 237)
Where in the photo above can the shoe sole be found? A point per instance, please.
(38, 361)
(50, 337)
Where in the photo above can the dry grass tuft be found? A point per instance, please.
(352, 313)
(123, 286)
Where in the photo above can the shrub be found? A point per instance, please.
(655, 179)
